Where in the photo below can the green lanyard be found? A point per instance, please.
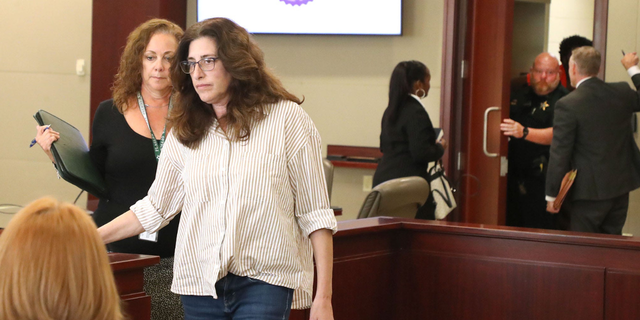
(157, 147)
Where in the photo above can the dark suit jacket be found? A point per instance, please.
(592, 132)
(408, 145)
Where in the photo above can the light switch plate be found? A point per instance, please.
(367, 182)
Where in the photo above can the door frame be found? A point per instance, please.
(454, 91)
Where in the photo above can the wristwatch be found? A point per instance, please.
(525, 132)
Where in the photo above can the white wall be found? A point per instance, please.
(344, 80)
(41, 41)
(623, 34)
(568, 18)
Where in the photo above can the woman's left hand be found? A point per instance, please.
(321, 309)
(443, 143)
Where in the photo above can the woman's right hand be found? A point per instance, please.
(443, 143)
(45, 138)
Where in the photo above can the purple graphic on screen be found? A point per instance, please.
(296, 2)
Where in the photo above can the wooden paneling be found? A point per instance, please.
(112, 23)
(364, 257)
(379, 268)
(488, 55)
(128, 271)
(601, 15)
(354, 157)
(353, 151)
(622, 298)
(468, 287)
(449, 100)
(393, 268)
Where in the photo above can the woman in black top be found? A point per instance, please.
(128, 133)
(408, 141)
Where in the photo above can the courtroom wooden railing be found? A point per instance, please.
(128, 271)
(391, 268)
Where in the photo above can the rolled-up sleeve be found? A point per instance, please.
(166, 195)
(306, 174)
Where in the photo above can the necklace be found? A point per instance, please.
(155, 107)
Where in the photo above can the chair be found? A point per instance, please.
(328, 174)
(396, 198)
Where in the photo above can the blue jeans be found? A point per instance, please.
(240, 298)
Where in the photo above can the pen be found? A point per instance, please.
(624, 54)
(33, 142)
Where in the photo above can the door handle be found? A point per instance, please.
(485, 133)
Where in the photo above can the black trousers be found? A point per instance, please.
(428, 209)
(599, 216)
(526, 204)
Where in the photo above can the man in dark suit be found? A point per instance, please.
(592, 132)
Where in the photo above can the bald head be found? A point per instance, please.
(545, 74)
(546, 60)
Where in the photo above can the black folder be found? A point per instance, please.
(72, 156)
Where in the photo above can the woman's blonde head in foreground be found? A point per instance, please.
(53, 265)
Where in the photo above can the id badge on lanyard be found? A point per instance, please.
(146, 236)
(157, 147)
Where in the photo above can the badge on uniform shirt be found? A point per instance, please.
(544, 106)
(514, 102)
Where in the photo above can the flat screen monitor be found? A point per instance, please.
(339, 17)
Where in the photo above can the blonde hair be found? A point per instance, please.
(53, 265)
(128, 80)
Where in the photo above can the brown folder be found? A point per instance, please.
(567, 181)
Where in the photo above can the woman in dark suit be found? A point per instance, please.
(408, 141)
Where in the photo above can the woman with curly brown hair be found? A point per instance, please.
(243, 163)
(54, 266)
(128, 134)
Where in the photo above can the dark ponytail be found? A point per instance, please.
(404, 75)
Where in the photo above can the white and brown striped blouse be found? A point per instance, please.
(247, 207)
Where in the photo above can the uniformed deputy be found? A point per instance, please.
(530, 129)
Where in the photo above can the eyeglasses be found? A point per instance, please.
(206, 64)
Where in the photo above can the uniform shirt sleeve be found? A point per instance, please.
(166, 195)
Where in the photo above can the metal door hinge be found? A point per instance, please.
(459, 164)
(464, 69)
